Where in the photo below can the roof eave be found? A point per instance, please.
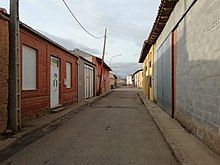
(165, 9)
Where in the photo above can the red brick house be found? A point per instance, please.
(55, 75)
(105, 75)
(48, 73)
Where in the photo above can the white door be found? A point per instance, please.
(54, 82)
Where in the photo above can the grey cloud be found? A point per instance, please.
(122, 69)
(70, 44)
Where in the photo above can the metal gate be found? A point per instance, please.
(89, 81)
(164, 75)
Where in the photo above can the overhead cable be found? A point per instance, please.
(80, 23)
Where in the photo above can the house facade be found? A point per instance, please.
(148, 74)
(48, 73)
(121, 82)
(112, 80)
(105, 75)
(187, 64)
(105, 72)
(129, 80)
(86, 79)
(137, 79)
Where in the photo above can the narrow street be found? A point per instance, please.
(115, 130)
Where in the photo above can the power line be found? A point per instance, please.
(80, 23)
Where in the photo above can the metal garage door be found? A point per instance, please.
(159, 76)
(89, 81)
(164, 75)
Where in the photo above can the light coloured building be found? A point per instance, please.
(121, 82)
(186, 35)
(137, 78)
(148, 73)
(112, 80)
(129, 80)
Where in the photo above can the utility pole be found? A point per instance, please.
(103, 55)
(14, 106)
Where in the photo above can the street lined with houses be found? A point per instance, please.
(115, 130)
(71, 106)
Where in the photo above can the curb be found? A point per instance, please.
(185, 147)
(174, 149)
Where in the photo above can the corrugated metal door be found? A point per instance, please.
(164, 75)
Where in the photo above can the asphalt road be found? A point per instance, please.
(115, 130)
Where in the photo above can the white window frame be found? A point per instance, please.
(29, 68)
(68, 74)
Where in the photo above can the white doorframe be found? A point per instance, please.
(54, 82)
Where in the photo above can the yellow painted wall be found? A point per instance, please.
(145, 82)
(148, 70)
(151, 72)
(140, 79)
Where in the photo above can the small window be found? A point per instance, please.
(150, 82)
(150, 64)
(29, 68)
(68, 75)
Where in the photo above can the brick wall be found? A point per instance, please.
(4, 60)
(105, 78)
(105, 85)
(37, 102)
(98, 72)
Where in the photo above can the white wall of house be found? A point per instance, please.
(129, 80)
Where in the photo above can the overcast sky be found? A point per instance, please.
(128, 23)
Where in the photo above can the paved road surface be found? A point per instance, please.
(115, 130)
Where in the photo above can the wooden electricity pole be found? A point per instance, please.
(14, 106)
(103, 55)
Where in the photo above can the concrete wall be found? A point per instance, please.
(4, 61)
(198, 71)
(197, 67)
